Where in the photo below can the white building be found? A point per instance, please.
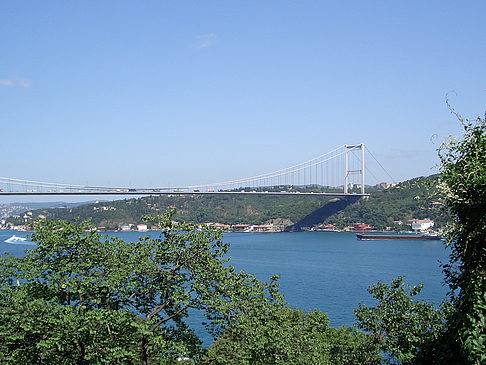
(421, 224)
(142, 227)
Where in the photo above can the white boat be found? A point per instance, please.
(14, 239)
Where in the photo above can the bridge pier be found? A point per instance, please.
(347, 171)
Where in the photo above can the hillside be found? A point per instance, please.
(195, 208)
(411, 199)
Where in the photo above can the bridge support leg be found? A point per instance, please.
(347, 171)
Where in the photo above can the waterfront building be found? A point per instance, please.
(421, 224)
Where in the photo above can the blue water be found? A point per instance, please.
(332, 271)
(326, 270)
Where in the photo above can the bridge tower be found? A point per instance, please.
(347, 171)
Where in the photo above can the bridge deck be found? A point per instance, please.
(148, 192)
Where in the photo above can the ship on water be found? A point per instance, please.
(408, 237)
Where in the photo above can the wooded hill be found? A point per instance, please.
(410, 199)
(193, 208)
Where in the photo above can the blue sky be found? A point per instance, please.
(160, 93)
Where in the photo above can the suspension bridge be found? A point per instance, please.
(340, 172)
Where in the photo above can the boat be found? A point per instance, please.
(14, 239)
(408, 237)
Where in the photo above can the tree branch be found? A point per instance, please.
(162, 306)
(156, 310)
(169, 318)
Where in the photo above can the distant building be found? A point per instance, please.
(325, 228)
(240, 227)
(262, 227)
(219, 225)
(361, 227)
(142, 227)
(382, 185)
(421, 224)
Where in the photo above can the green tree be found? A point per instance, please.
(463, 185)
(415, 332)
(78, 298)
(400, 324)
(273, 333)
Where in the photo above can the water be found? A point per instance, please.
(17, 248)
(330, 271)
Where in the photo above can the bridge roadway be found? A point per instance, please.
(151, 192)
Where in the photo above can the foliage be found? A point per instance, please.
(463, 184)
(276, 334)
(399, 324)
(415, 332)
(80, 298)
